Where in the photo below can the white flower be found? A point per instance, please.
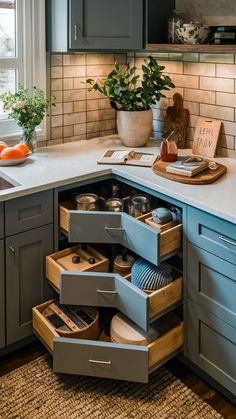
(19, 105)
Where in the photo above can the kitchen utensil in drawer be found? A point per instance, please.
(139, 205)
(161, 215)
(114, 205)
(87, 202)
(73, 321)
(147, 276)
(123, 264)
(124, 330)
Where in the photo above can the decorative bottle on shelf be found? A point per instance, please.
(175, 21)
(169, 149)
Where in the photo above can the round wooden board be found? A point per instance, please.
(202, 178)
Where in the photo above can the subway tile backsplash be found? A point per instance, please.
(206, 81)
(80, 114)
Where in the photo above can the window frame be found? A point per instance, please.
(30, 60)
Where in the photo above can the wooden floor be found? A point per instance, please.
(203, 390)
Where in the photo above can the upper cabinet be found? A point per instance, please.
(90, 25)
(94, 24)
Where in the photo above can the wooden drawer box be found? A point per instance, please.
(120, 228)
(61, 262)
(111, 290)
(107, 359)
(211, 233)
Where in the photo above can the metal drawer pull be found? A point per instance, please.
(114, 229)
(227, 241)
(76, 32)
(94, 361)
(107, 292)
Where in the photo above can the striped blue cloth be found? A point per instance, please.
(147, 276)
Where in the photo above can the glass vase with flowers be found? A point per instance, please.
(27, 110)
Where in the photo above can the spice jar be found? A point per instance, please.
(175, 21)
(114, 205)
(87, 202)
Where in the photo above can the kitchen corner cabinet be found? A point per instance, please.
(2, 296)
(103, 289)
(94, 25)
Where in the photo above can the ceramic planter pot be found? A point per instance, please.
(134, 128)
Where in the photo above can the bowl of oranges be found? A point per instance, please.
(12, 156)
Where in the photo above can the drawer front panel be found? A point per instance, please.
(211, 344)
(212, 234)
(28, 212)
(100, 359)
(211, 282)
(105, 290)
(1, 222)
(102, 227)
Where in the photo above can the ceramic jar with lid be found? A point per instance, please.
(193, 33)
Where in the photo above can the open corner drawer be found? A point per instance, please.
(103, 289)
(102, 358)
(120, 228)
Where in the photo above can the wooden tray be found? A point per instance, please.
(203, 178)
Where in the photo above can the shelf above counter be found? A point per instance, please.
(199, 48)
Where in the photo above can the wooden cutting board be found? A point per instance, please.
(202, 178)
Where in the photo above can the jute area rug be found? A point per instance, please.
(34, 391)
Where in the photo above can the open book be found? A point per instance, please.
(132, 158)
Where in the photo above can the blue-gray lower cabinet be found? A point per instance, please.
(25, 278)
(212, 234)
(2, 296)
(211, 345)
(211, 282)
(28, 212)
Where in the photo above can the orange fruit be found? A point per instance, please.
(10, 153)
(2, 146)
(22, 147)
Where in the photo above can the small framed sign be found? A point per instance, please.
(206, 137)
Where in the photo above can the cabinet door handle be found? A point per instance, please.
(114, 229)
(95, 361)
(227, 240)
(12, 249)
(76, 32)
(107, 292)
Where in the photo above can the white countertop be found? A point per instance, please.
(69, 163)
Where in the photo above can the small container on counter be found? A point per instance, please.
(169, 149)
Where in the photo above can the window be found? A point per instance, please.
(22, 51)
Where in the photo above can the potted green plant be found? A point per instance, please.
(27, 110)
(132, 98)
